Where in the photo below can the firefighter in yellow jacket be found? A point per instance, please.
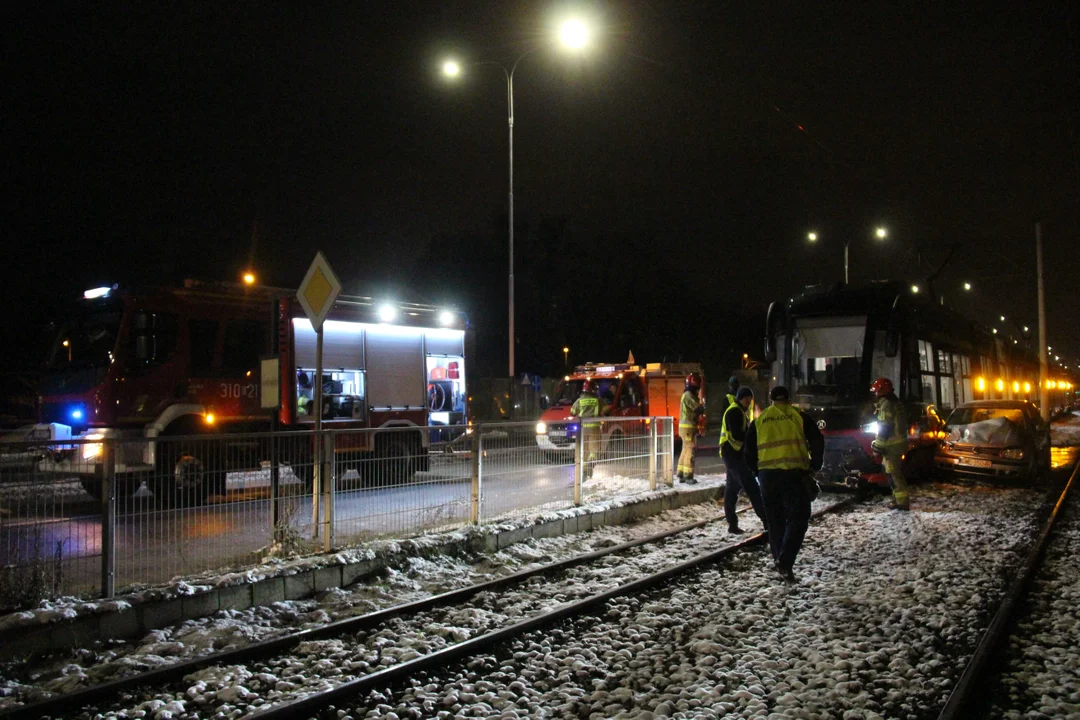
(588, 408)
(690, 409)
(891, 441)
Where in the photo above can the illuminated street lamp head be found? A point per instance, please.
(249, 278)
(881, 233)
(967, 286)
(566, 349)
(1002, 318)
(811, 236)
(451, 68)
(995, 331)
(914, 288)
(574, 34)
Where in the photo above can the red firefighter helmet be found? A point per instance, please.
(881, 386)
(693, 381)
(587, 386)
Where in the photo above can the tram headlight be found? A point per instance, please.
(541, 428)
(871, 428)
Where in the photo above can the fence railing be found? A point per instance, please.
(110, 514)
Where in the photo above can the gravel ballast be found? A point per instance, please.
(886, 610)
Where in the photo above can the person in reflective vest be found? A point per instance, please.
(588, 408)
(733, 390)
(690, 410)
(891, 440)
(739, 479)
(783, 448)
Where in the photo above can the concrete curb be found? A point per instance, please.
(138, 619)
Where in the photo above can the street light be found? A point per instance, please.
(566, 356)
(967, 286)
(881, 233)
(249, 278)
(573, 34)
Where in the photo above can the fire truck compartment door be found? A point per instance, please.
(343, 344)
(445, 342)
(395, 367)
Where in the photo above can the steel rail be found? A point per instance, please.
(959, 702)
(63, 705)
(311, 704)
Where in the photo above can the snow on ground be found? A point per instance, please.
(412, 578)
(884, 614)
(1066, 431)
(1042, 676)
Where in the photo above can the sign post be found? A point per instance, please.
(316, 295)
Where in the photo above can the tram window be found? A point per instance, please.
(946, 392)
(924, 356)
(944, 362)
(929, 389)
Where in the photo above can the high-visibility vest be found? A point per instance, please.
(724, 436)
(890, 412)
(688, 412)
(781, 442)
(587, 406)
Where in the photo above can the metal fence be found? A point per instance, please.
(100, 516)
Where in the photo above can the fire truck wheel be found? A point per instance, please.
(183, 479)
(394, 461)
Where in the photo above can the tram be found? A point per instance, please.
(828, 344)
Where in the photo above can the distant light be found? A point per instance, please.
(881, 233)
(1027, 387)
(811, 236)
(76, 414)
(451, 68)
(1001, 385)
(387, 313)
(566, 349)
(96, 293)
(1002, 318)
(66, 343)
(1014, 341)
(745, 356)
(914, 288)
(574, 34)
(209, 418)
(1056, 358)
(249, 278)
(980, 384)
(995, 331)
(446, 318)
(1016, 387)
(1025, 328)
(967, 286)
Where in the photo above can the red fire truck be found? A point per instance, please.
(151, 363)
(654, 389)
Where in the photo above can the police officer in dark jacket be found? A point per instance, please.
(783, 448)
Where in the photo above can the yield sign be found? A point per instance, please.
(318, 291)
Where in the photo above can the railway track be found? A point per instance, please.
(968, 697)
(134, 690)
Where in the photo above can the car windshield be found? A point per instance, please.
(87, 339)
(569, 390)
(994, 426)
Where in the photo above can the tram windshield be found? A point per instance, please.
(828, 365)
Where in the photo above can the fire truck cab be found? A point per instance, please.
(160, 362)
(651, 390)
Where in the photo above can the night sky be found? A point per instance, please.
(665, 179)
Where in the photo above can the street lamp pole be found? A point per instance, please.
(574, 34)
(846, 243)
